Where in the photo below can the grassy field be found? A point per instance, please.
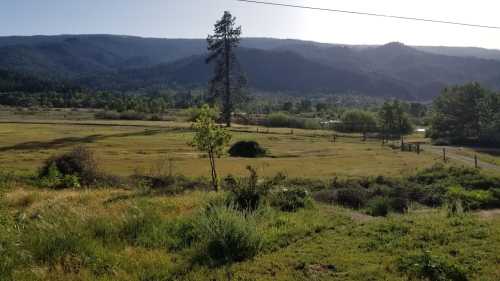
(138, 145)
(141, 233)
(122, 235)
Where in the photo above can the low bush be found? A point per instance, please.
(291, 200)
(247, 149)
(353, 197)
(398, 204)
(427, 267)
(378, 207)
(79, 163)
(470, 199)
(246, 194)
(469, 178)
(227, 235)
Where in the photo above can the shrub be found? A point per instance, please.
(247, 194)
(194, 112)
(353, 197)
(469, 200)
(469, 178)
(227, 235)
(80, 163)
(427, 267)
(378, 207)
(247, 149)
(291, 200)
(399, 204)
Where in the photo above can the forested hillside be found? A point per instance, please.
(272, 65)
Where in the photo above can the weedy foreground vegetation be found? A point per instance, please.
(72, 221)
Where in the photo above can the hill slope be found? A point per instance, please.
(119, 62)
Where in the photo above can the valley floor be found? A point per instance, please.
(124, 147)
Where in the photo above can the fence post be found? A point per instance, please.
(475, 161)
(418, 148)
(444, 154)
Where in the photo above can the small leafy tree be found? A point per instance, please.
(358, 121)
(393, 120)
(211, 139)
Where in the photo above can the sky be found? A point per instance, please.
(195, 19)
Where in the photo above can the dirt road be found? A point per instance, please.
(454, 154)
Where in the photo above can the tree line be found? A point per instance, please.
(468, 114)
(115, 101)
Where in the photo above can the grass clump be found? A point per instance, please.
(247, 149)
(227, 235)
(63, 243)
(291, 200)
(246, 194)
(427, 267)
(11, 255)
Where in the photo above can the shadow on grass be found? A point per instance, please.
(492, 152)
(71, 141)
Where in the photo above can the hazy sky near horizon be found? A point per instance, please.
(195, 19)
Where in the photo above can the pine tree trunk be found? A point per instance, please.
(227, 96)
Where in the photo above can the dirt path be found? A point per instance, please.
(489, 214)
(453, 153)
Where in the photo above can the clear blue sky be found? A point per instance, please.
(194, 19)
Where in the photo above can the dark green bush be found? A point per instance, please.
(226, 235)
(398, 204)
(80, 162)
(427, 267)
(353, 197)
(378, 207)
(291, 200)
(247, 149)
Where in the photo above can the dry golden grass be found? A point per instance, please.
(125, 149)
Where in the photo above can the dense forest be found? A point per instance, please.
(301, 68)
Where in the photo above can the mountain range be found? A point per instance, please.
(111, 62)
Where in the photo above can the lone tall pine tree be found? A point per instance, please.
(228, 80)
